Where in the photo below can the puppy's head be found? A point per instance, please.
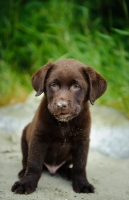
(68, 84)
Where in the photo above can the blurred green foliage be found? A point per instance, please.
(33, 32)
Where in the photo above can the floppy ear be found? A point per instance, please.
(39, 78)
(97, 84)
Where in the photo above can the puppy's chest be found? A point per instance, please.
(63, 139)
(60, 134)
(60, 142)
(57, 151)
(66, 134)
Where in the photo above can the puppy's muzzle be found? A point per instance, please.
(62, 104)
(63, 111)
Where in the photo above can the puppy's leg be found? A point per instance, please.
(65, 171)
(80, 182)
(36, 155)
(24, 147)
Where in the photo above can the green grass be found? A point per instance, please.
(37, 32)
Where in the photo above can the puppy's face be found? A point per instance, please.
(66, 89)
(68, 84)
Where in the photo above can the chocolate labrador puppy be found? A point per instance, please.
(58, 135)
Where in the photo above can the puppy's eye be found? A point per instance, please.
(53, 85)
(75, 87)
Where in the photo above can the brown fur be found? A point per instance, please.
(59, 131)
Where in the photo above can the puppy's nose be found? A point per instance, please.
(62, 104)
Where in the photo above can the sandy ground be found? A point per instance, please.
(109, 176)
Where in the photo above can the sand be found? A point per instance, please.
(109, 176)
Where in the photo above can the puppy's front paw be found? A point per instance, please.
(83, 187)
(23, 187)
